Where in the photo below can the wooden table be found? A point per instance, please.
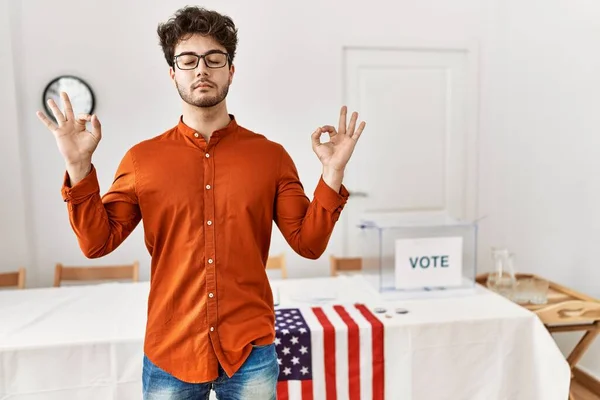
(566, 311)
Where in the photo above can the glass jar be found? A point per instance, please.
(502, 280)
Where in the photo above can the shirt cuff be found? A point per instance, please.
(83, 189)
(329, 199)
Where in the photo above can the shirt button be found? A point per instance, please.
(212, 328)
(210, 260)
(207, 187)
(207, 155)
(209, 222)
(211, 295)
(196, 134)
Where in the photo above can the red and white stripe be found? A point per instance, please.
(347, 356)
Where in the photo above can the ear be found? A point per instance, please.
(231, 73)
(172, 74)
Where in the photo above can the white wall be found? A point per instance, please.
(539, 85)
(14, 244)
(288, 81)
(550, 145)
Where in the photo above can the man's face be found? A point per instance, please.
(201, 86)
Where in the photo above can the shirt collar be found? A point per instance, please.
(187, 131)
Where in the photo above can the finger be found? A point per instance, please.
(46, 121)
(352, 125)
(96, 128)
(84, 118)
(316, 137)
(58, 115)
(342, 123)
(68, 107)
(359, 131)
(329, 129)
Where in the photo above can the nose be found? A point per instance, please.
(201, 69)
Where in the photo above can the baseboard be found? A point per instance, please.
(590, 382)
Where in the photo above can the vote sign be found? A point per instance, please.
(428, 262)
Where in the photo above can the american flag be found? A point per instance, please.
(329, 353)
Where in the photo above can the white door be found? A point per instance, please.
(418, 152)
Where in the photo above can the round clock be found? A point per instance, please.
(79, 92)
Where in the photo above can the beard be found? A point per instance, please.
(202, 100)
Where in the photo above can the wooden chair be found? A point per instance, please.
(13, 279)
(278, 262)
(344, 264)
(115, 272)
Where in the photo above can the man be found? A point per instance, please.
(207, 192)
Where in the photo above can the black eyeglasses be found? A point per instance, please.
(212, 59)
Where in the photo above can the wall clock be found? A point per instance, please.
(80, 94)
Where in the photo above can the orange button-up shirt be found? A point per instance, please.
(207, 211)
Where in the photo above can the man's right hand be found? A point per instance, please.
(75, 143)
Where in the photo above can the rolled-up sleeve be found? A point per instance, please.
(101, 224)
(306, 225)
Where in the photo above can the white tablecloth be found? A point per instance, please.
(85, 342)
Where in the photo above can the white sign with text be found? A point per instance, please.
(429, 262)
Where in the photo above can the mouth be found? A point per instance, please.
(203, 85)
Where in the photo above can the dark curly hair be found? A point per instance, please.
(196, 20)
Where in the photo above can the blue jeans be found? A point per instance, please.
(255, 380)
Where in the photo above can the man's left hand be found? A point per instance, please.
(334, 155)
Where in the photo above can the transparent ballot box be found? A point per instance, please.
(419, 256)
